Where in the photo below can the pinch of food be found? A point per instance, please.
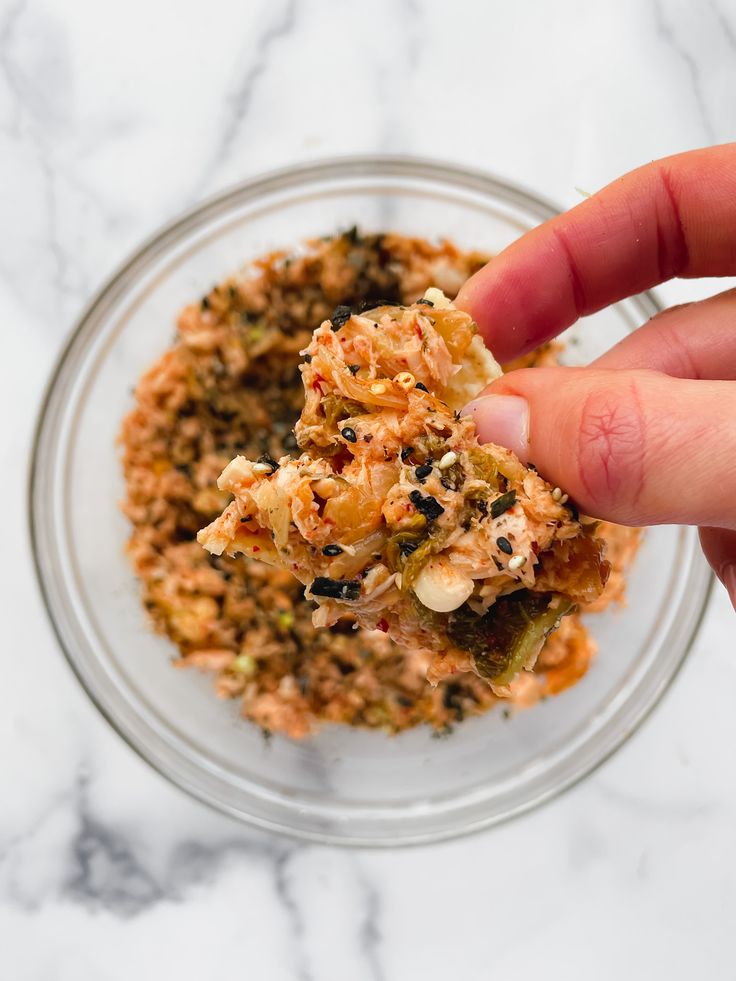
(255, 328)
(423, 533)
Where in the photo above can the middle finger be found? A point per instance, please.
(695, 340)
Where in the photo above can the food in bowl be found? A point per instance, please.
(229, 385)
(395, 514)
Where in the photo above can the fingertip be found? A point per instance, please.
(503, 420)
(494, 307)
(729, 581)
(719, 546)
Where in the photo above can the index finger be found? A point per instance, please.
(673, 217)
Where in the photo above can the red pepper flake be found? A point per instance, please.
(256, 548)
(382, 625)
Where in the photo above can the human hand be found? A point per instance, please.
(647, 433)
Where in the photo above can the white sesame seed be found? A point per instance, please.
(564, 499)
(378, 388)
(516, 562)
(405, 379)
(447, 460)
(262, 468)
(398, 580)
(556, 494)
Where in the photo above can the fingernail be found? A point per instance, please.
(502, 419)
(729, 581)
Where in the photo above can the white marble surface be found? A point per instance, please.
(114, 116)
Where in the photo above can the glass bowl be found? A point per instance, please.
(342, 785)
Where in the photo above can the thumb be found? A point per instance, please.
(636, 447)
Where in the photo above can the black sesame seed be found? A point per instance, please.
(332, 550)
(349, 434)
(406, 453)
(406, 548)
(422, 387)
(428, 506)
(425, 302)
(503, 503)
(340, 316)
(205, 304)
(248, 517)
(308, 358)
(373, 303)
(575, 514)
(447, 483)
(422, 472)
(269, 461)
(344, 589)
(505, 545)
(353, 369)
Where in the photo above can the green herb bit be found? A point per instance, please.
(511, 634)
(245, 664)
(503, 503)
(285, 620)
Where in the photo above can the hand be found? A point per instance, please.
(647, 433)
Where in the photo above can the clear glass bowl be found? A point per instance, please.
(342, 785)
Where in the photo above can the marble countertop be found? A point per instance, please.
(114, 117)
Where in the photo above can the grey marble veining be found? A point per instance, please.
(112, 118)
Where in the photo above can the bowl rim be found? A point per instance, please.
(344, 166)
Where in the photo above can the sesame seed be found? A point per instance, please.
(505, 545)
(340, 316)
(267, 461)
(398, 580)
(340, 589)
(429, 506)
(556, 494)
(447, 460)
(349, 434)
(421, 387)
(564, 499)
(405, 380)
(332, 550)
(423, 471)
(516, 562)
(378, 388)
